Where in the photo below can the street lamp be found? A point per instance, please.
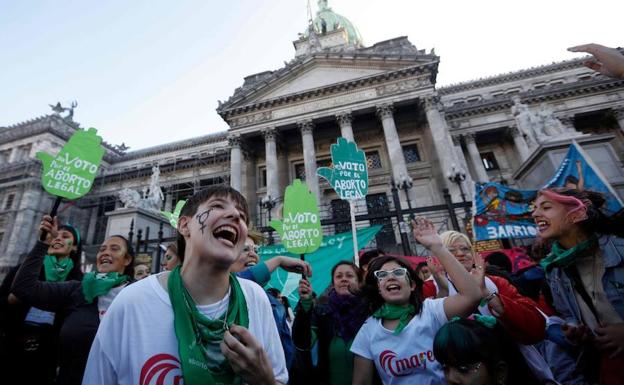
(406, 184)
(268, 204)
(458, 176)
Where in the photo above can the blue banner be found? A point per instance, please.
(578, 171)
(503, 212)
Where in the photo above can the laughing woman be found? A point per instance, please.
(28, 345)
(398, 339)
(585, 271)
(83, 302)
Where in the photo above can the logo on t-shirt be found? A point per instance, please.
(161, 369)
(399, 367)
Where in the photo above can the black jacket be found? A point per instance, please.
(81, 319)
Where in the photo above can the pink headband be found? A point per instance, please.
(578, 210)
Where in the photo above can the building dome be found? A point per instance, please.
(327, 20)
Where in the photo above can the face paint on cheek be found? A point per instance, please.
(202, 218)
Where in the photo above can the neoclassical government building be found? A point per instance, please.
(282, 123)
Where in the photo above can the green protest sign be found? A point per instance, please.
(349, 176)
(173, 217)
(334, 248)
(71, 173)
(300, 228)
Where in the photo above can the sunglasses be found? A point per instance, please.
(399, 272)
(249, 249)
(463, 369)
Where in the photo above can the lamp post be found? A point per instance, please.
(406, 184)
(458, 176)
(267, 203)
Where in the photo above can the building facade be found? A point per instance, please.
(283, 122)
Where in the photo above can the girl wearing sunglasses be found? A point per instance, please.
(397, 339)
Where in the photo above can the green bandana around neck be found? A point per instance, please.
(560, 257)
(199, 338)
(57, 270)
(97, 284)
(391, 312)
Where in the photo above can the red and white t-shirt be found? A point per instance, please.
(136, 342)
(406, 358)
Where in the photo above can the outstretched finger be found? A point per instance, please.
(589, 48)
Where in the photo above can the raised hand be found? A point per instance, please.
(49, 226)
(425, 232)
(607, 61)
(349, 176)
(478, 272)
(305, 289)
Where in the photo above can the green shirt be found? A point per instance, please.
(340, 362)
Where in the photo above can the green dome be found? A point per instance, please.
(327, 20)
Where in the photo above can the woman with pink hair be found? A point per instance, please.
(585, 271)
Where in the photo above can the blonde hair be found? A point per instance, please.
(255, 236)
(450, 237)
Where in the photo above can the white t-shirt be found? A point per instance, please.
(136, 342)
(406, 358)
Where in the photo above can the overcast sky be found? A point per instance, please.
(150, 72)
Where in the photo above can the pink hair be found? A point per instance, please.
(575, 205)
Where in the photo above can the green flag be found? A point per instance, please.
(333, 249)
(300, 228)
(71, 173)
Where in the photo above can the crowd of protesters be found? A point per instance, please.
(458, 318)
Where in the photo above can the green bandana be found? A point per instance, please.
(97, 284)
(403, 314)
(199, 338)
(57, 270)
(559, 257)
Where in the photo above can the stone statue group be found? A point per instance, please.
(150, 198)
(538, 126)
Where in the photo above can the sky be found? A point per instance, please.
(148, 72)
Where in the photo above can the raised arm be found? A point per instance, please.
(468, 291)
(50, 296)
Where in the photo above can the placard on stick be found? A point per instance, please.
(348, 177)
(71, 173)
(300, 228)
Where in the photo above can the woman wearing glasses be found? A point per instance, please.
(397, 339)
(333, 324)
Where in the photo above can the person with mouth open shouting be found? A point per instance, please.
(199, 323)
(29, 335)
(397, 339)
(83, 303)
(585, 272)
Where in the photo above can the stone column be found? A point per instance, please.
(395, 151)
(442, 141)
(309, 156)
(475, 157)
(521, 145)
(459, 152)
(619, 115)
(346, 129)
(236, 162)
(272, 173)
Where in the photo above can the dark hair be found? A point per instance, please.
(273, 291)
(597, 221)
(500, 260)
(465, 341)
(192, 204)
(366, 257)
(571, 179)
(357, 270)
(419, 267)
(76, 271)
(128, 270)
(371, 285)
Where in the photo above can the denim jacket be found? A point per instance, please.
(564, 299)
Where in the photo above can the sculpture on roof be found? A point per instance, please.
(59, 109)
(150, 198)
(539, 126)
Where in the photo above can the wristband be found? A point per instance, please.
(487, 299)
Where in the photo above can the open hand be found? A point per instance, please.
(247, 357)
(607, 61)
(611, 339)
(425, 232)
